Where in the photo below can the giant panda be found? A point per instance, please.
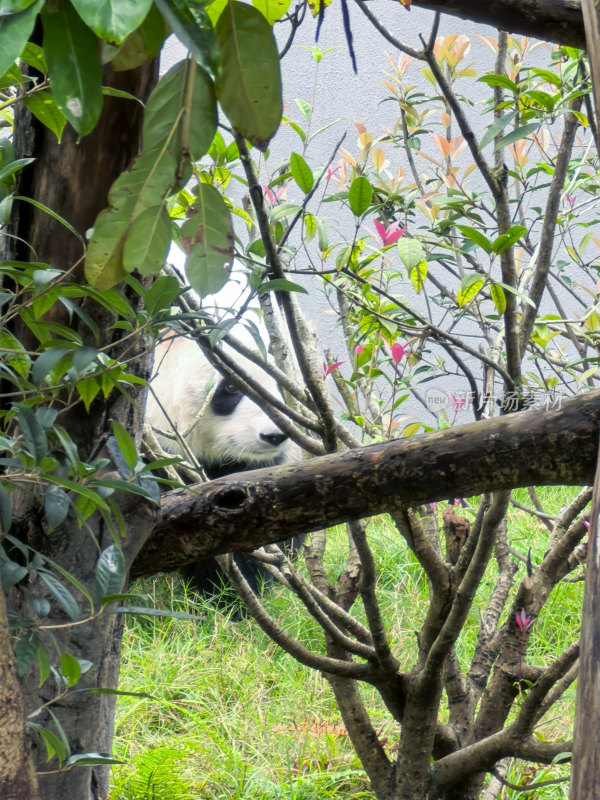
(233, 434)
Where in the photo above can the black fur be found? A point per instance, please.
(206, 577)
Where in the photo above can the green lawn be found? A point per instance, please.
(230, 716)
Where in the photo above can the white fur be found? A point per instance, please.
(180, 380)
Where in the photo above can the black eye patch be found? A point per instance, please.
(225, 399)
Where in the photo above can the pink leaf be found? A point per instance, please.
(393, 233)
(331, 367)
(380, 228)
(397, 353)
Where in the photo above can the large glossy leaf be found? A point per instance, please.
(110, 571)
(181, 112)
(360, 195)
(410, 251)
(56, 506)
(192, 26)
(14, 6)
(249, 89)
(469, 287)
(15, 30)
(33, 434)
(148, 240)
(141, 45)
(272, 10)
(301, 172)
(209, 240)
(112, 20)
(143, 187)
(71, 51)
(43, 106)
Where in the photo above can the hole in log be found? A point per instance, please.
(233, 498)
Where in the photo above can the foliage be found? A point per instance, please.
(449, 272)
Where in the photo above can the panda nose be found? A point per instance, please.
(274, 439)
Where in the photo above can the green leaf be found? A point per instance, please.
(272, 10)
(79, 488)
(506, 240)
(25, 652)
(498, 126)
(110, 572)
(470, 286)
(281, 285)
(5, 510)
(148, 240)
(249, 88)
(91, 759)
(16, 357)
(126, 445)
(63, 596)
(498, 297)
(112, 20)
(53, 743)
(70, 668)
(56, 506)
(521, 295)
(45, 363)
(282, 211)
(11, 168)
(418, 275)
(161, 294)
(142, 44)
(43, 106)
(214, 10)
(360, 195)
(43, 661)
(33, 433)
(33, 55)
(50, 213)
(71, 51)
(11, 573)
(183, 100)
(499, 80)
(15, 30)
(301, 173)
(133, 487)
(209, 240)
(476, 236)
(144, 186)
(14, 6)
(521, 132)
(191, 24)
(410, 251)
(87, 389)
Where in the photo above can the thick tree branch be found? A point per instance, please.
(245, 510)
(551, 20)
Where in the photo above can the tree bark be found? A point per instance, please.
(73, 178)
(249, 509)
(552, 20)
(585, 769)
(17, 775)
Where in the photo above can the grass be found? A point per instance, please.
(231, 717)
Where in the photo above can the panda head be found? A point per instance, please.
(237, 434)
(233, 433)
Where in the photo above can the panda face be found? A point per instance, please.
(233, 433)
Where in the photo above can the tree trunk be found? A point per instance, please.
(17, 775)
(73, 179)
